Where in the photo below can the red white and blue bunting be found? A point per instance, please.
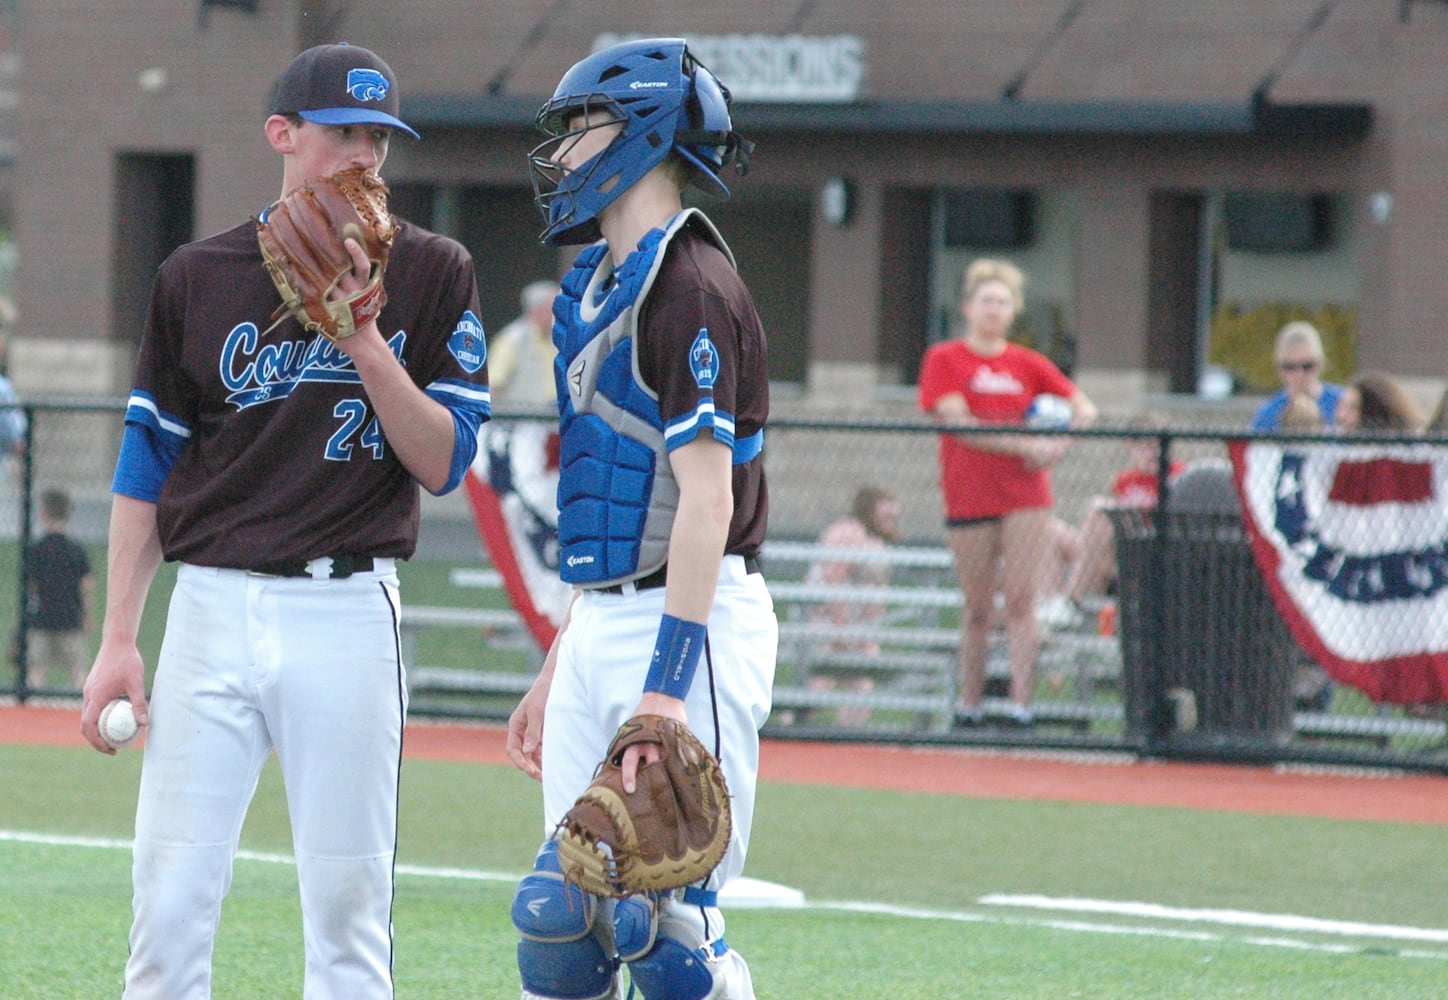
(1352, 540)
(512, 488)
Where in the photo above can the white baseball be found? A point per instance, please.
(117, 724)
(1049, 411)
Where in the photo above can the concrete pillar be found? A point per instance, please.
(1112, 293)
(1418, 255)
(845, 314)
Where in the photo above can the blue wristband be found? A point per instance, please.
(676, 657)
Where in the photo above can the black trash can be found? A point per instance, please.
(1206, 658)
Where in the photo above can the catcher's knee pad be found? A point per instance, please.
(561, 955)
(667, 958)
(635, 923)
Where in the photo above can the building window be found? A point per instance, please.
(989, 218)
(1278, 222)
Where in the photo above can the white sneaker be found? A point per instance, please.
(1057, 611)
(1021, 717)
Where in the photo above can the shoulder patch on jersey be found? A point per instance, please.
(703, 360)
(467, 343)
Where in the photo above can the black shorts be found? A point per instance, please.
(971, 522)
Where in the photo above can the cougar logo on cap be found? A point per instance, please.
(366, 85)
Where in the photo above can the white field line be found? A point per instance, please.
(1146, 911)
(258, 856)
(1232, 918)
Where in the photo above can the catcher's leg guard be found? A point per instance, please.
(667, 956)
(562, 955)
(635, 922)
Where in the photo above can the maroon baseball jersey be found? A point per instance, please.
(281, 457)
(697, 289)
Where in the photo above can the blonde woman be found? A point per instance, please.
(1299, 358)
(996, 487)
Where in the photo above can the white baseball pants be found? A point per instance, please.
(251, 664)
(602, 661)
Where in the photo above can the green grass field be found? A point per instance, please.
(905, 895)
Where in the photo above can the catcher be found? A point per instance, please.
(282, 471)
(662, 509)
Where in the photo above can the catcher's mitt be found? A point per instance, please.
(301, 244)
(671, 832)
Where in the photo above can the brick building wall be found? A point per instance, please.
(88, 97)
(1414, 328)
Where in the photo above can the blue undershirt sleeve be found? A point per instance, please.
(465, 447)
(143, 464)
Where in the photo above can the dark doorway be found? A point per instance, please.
(157, 215)
(1174, 287)
(770, 240)
(905, 321)
(498, 225)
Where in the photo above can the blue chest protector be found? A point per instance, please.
(616, 492)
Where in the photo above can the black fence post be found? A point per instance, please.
(1155, 648)
(21, 646)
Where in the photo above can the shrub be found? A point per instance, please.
(1242, 337)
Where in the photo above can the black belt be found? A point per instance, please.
(660, 576)
(343, 566)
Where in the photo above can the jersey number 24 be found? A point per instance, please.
(357, 429)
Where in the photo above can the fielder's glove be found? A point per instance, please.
(671, 832)
(301, 244)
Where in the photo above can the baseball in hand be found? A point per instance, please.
(117, 724)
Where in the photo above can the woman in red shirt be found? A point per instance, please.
(997, 487)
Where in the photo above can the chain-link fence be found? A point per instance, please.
(67, 453)
(1159, 631)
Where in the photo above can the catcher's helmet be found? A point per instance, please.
(666, 102)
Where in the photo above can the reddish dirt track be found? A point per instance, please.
(1408, 798)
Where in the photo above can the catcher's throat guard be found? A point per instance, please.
(302, 246)
(672, 831)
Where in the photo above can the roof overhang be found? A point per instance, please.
(1004, 117)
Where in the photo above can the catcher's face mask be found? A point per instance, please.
(573, 178)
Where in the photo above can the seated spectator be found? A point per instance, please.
(1301, 415)
(1054, 608)
(1438, 422)
(12, 417)
(1375, 401)
(1300, 359)
(872, 523)
(1134, 486)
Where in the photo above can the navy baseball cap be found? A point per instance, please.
(340, 85)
